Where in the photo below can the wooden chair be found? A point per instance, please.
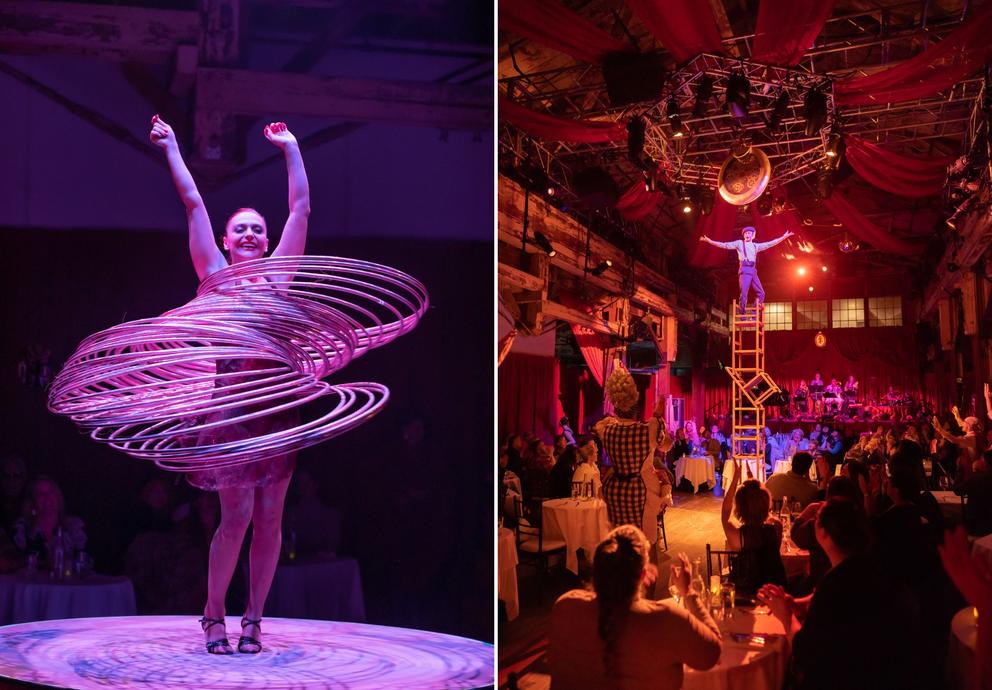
(531, 540)
(725, 561)
(661, 527)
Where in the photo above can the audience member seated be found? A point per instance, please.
(587, 471)
(909, 458)
(612, 637)
(834, 447)
(758, 537)
(804, 527)
(310, 527)
(679, 448)
(795, 483)
(560, 479)
(859, 630)
(46, 522)
(538, 459)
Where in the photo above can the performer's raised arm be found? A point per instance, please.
(721, 245)
(207, 258)
(761, 246)
(294, 234)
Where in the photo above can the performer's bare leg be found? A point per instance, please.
(235, 515)
(266, 543)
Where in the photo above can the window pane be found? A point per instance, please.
(811, 314)
(778, 316)
(885, 311)
(849, 313)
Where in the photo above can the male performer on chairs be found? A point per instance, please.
(747, 253)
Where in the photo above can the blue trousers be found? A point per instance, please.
(748, 278)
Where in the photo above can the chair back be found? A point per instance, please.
(529, 517)
(722, 563)
(582, 489)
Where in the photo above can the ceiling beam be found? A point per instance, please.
(107, 31)
(446, 106)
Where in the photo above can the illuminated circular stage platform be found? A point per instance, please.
(167, 653)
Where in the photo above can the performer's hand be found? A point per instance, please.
(162, 134)
(682, 575)
(955, 411)
(935, 422)
(704, 238)
(789, 233)
(278, 134)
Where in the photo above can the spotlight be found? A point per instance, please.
(704, 91)
(835, 143)
(847, 246)
(823, 268)
(636, 129)
(778, 204)
(811, 288)
(685, 199)
(551, 191)
(801, 270)
(738, 95)
(764, 205)
(815, 110)
(602, 267)
(544, 243)
(780, 109)
(705, 198)
(679, 130)
(825, 181)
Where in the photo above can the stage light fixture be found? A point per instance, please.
(686, 201)
(705, 200)
(738, 98)
(801, 270)
(551, 191)
(780, 110)
(679, 130)
(847, 246)
(704, 91)
(544, 243)
(811, 288)
(825, 181)
(815, 111)
(636, 131)
(823, 268)
(764, 205)
(602, 267)
(835, 146)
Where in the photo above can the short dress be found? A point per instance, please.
(252, 474)
(624, 491)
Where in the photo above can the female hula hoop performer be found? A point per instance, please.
(254, 492)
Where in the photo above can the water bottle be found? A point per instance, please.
(58, 556)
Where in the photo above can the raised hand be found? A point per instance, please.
(162, 134)
(955, 411)
(279, 134)
(988, 392)
(682, 575)
(704, 238)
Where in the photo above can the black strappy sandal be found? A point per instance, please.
(206, 624)
(247, 640)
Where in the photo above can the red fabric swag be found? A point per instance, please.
(637, 202)
(895, 172)
(591, 345)
(553, 128)
(685, 27)
(786, 29)
(528, 395)
(861, 227)
(720, 225)
(770, 227)
(959, 55)
(550, 23)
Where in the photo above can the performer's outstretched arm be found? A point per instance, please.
(761, 246)
(294, 235)
(721, 245)
(207, 257)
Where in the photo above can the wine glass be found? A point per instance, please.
(674, 591)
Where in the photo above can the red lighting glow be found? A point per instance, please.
(801, 270)
(811, 288)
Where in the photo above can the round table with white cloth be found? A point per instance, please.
(782, 466)
(757, 662)
(961, 670)
(506, 564)
(581, 522)
(321, 588)
(40, 598)
(698, 469)
(728, 472)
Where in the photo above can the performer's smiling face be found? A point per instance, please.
(245, 236)
(748, 235)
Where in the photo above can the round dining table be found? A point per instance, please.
(728, 472)
(697, 469)
(754, 656)
(40, 597)
(506, 564)
(580, 522)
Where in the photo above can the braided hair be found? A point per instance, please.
(616, 578)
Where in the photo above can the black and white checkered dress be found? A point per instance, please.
(624, 492)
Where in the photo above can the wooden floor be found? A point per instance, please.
(690, 524)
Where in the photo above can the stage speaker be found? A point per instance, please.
(596, 188)
(633, 77)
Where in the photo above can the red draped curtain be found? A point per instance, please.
(637, 202)
(786, 29)
(720, 225)
(550, 23)
(962, 53)
(528, 395)
(684, 27)
(911, 176)
(878, 358)
(863, 228)
(544, 126)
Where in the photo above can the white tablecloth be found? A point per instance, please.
(322, 589)
(982, 548)
(40, 598)
(728, 472)
(782, 466)
(507, 569)
(961, 669)
(795, 560)
(745, 666)
(582, 523)
(697, 469)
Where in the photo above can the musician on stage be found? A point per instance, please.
(801, 397)
(816, 383)
(851, 387)
(747, 253)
